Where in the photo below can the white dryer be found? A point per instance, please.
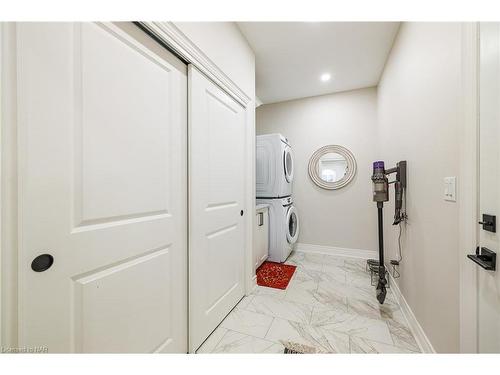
(283, 227)
(274, 166)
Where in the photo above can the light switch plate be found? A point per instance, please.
(450, 189)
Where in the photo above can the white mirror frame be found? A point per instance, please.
(351, 167)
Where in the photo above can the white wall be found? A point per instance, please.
(419, 119)
(339, 218)
(223, 43)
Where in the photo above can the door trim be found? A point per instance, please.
(8, 186)
(468, 186)
(175, 39)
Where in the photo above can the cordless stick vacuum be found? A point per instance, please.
(381, 195)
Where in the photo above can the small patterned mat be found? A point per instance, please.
(296, 348)
(275, 275)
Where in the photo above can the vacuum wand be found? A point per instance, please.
(382, 281)
(381, 195)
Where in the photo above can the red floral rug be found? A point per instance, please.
(274, 275)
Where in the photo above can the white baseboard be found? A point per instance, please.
(339, 251)
(415, 327)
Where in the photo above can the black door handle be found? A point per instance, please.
(489, 223)
(42, 262)
(485, 258)
(241, 213)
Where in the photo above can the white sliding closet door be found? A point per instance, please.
(216, 199)
(102, 189)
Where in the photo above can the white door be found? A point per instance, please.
(102, 189)
(216, 200)
(488, 309)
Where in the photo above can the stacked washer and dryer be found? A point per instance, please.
(274, 178)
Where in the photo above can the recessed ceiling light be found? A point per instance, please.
(325, 77)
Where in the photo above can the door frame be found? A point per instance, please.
(8, 187)
(167, 34)
(468, 187)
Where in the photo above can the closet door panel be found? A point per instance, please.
(102, 190)
(217, 129)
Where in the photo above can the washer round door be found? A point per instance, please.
(288, 163)
(292, 224)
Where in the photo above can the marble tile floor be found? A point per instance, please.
(329, 305)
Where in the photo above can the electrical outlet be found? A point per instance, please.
(450, 189)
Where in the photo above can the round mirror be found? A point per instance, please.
(332, 167)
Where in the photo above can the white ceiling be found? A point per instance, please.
(291, 56)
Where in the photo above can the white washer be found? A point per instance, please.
(283, 227)
(274, 166)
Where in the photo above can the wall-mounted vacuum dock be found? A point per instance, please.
(381, 195)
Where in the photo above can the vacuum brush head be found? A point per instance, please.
(381, 292)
